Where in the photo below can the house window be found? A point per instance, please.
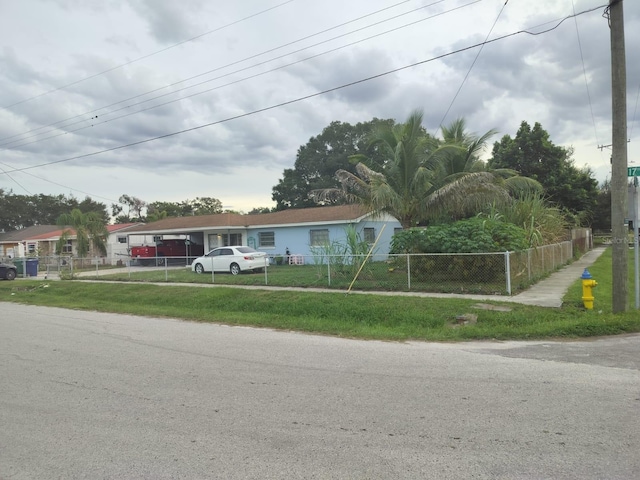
(318, 238)
(67, 247)
(122, 239)
(266, 239)
(224, 239)
(31, 248)
(370, 235)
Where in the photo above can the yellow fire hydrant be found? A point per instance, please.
(588, 284)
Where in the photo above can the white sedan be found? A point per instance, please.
(234, 259)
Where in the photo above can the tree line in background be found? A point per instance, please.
(21, 211)
(395, 167)
(365, 156)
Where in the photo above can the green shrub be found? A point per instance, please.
(473, 235)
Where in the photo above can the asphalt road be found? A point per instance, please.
(86, 395)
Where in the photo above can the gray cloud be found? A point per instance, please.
(532, 78)
(169, 21)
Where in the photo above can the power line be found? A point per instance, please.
(306, 97)
(268, 51)
(52, 182)
(472, 65)
(2, 170)
(586, 81)
(82, 115)
(144, 56)
(235, 81)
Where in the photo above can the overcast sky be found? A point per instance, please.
(82, 76)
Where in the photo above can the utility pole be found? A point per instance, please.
(620, 253)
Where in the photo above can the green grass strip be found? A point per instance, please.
(396, 318)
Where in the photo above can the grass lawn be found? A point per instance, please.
(355, 315)
(375, 276)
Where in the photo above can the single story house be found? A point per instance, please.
(295, 230)
(22, 243)
(41, 240)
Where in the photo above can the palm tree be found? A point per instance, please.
(89, 229)
(466, 161)
(422, 178)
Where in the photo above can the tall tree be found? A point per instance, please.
(157, 210)
(533, 154)
(198, 206)
(601, 219)
(421, 178)
(134, 207)
(466, 159)
(205, 205)
(90, 230)
(317, 162)
(21, 211)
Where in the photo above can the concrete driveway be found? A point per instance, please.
(93, 395)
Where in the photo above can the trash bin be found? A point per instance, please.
(19, 263)
(32, 267)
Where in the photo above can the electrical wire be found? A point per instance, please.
(300, 99)
(53, 183)
(83, 119)
(2, 170)
(144, 56)
(227, 84)
(473, 64)
(254, 56)
(586, 81)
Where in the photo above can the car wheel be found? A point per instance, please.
(10, 274)
(160, 261)
(199, 268)
(145, 263)
(235, 269)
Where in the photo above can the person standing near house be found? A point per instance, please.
(287, 253)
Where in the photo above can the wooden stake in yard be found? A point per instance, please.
(365, 259)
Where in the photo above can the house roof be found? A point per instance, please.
(51, 232)
(121, 226)
(297, 216)
(27, 233)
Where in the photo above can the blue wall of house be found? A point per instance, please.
(297, 238)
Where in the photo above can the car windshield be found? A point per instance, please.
(246, 250)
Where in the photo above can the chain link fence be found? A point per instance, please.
(502, 273)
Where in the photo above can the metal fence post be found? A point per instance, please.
(408, 272)
(507, 267)
(266, 270)
(329, 271)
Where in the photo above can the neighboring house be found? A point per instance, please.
(24, 243)
(118, 242)
(41, 240)
(298, 230)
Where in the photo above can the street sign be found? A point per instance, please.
(633, 171)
